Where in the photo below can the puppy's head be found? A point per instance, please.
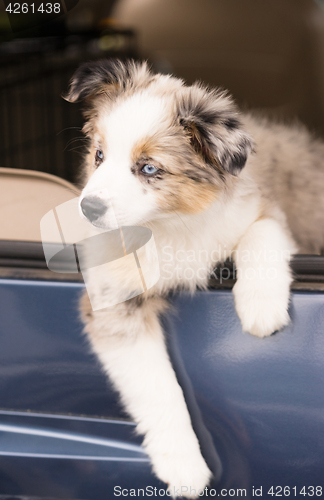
(156, 146)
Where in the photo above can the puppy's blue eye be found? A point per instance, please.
(99, 155)
(149, 169)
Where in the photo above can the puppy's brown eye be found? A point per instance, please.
(99, 156)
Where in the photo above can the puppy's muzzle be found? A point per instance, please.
(93, 208)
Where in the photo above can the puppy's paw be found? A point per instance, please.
(261, 311)
(186, 474)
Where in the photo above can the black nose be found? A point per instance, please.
(93, 208)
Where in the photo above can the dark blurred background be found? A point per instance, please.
(268, 54)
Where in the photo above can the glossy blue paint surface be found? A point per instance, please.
(45, 360)
(258, 402)
(69, 457)
(261, 399)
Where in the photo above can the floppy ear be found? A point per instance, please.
(106, 76)
(212, 122)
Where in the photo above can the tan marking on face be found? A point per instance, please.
(170, 148)
(185, 195)
(145, 148)
(188, 185)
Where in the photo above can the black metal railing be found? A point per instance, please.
(38, 129)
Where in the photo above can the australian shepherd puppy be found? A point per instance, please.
(210, 184)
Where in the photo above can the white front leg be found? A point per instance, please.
(262, 289)
(130, 345)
